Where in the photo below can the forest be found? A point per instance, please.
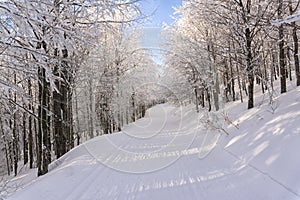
(72, 70)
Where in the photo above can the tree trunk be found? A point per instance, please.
(227, 83)
(232, 80)
(43, 128)
(133, 117)
(15, 136)
(30, 142)
(6, 148)
(40, 119)
(91, 120)
(281, 50)
(25, 140)
(208, 99)
(30, 134)
(78, 131)
(196, 98)
(250, 70)
(239, 78)
(296, 51)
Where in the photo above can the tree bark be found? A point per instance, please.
(91, 120)
(43, 128)
(133, 117)
(30, 133)
(15, 136)
(250, 70)
(296, 53)
(25, 140)
(281, 50)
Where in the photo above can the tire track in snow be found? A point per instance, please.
(87, 180)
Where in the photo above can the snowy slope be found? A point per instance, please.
(169, 155)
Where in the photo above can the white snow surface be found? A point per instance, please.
(169, 154)
(289, 19)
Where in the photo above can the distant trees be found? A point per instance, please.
(46, 55)
(226, 47)
(106, 86)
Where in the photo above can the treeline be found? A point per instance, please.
(65, 71)
(222, 49)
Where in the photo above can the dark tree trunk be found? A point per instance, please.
(6, 148)
(250, 70)
(25, 140)
(281, 50)
(91, 120)
(202, 97)
(30, 133)
(78, 131)
(40, 119)
(239, 78)
(58, 121)
(15, 136)
(15, 146)
(61, 108)
(30, 142)
(70, 121)
(232, 80)
(227, 82)
(197, 99)
(46, 129)
(133, 117)
(43, 145)
(208, 99)
(288, 64)
(296, 55)
(295, 41)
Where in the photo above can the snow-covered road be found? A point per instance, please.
(167, 155)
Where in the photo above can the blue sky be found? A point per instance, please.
(159, 11)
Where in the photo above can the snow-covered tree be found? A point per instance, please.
(43, 45)
(233, 44)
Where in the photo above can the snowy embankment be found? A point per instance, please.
(170, 155)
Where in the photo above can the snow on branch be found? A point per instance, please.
(289, 19)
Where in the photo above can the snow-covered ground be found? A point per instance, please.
(169, 154)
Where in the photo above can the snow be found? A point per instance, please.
(170, 155)
(289, 19)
